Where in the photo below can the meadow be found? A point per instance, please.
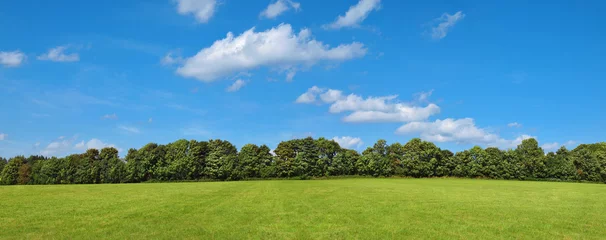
(358, 208)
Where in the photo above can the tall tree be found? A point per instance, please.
(10, 172)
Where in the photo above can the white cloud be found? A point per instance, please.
(331, 96)
(514, 124)
(94, 144)
(550, 147)
(110, 116)
(58, 147)
(355, 15)
(203, 10)
(462, 131)
(129, 129)
(150, 120)
(278, 47)
(236, 86)
(278, 7)
(171, 58)
(370, 109)
(444, 23)
(310, 95)
(3, 136)
(37, 144)
(58, 55)
(12, 59)
(348, 142)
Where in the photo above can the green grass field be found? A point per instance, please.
(319, 209)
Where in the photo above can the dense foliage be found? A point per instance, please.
(306, 158)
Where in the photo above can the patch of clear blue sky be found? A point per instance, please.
(538, 63)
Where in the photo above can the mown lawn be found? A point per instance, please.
(362, 208)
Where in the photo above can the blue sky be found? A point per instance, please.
(82, 74)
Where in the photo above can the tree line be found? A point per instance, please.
(306, 158)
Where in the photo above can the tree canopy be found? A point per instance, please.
(216, 159)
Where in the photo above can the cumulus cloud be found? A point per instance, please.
(462, 131)
(550, 147)
(278, 47)
(514, 124)
(444, 23)
(58, 54)
(58, 147)
(129, 129)
(310, 95)
(94, 144)
(3, 136)
(110, 116)
(202, 10)
(236, 86)
(348, 142)
(279, 7)
(369, 109)
(355, 15)
(12, 59)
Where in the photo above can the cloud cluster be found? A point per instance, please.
(348, 142)
(58, 54)
(62, 146)
(202, 10)
(278, 7)
(355, 15)
(462, 131)
(370, 109)
(12, 59)
(278, 47)
(444, 23)
(414, 115)
(94, 144)
(549, 147)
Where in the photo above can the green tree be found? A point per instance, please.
(2, 163)
(221, 160)
(113, 169)
(10, 172)
(533, 158)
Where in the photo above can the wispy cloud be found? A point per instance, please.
(129, 129)
(279, 7)
(514, 124)
(58, 54)
(355, 15)
(444, 23)
(236, 85)
(110, 116)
